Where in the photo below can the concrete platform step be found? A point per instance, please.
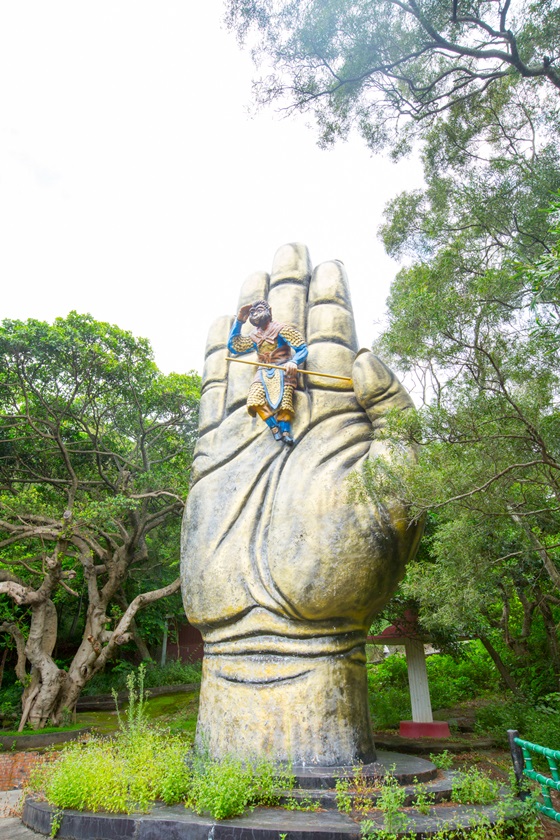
(405, 768)
(178, 823)
(439, 788)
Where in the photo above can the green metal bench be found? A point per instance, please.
(523, 766)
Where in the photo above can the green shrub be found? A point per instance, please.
(424, 799)
(228, 787)
(454, 680)
(10, 700)
(450, 680)
(173, 672)
(538, 723)
(122, 774)
(473, 787)
(391, 801)
(388, 706)
(443, 760)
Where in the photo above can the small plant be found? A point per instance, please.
(368, 830)
(474, 787)
(305, 804)
(56, 822)
(364, 789)
(228, 787)
(443, 760)
(343, 798)
(224, 789)
(66, 717)
(423, 800)
(391, 801)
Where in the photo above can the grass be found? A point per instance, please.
(47, 730)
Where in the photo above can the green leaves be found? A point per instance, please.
(384, 66)
(95, 453)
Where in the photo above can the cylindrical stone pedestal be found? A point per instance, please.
(305, 710)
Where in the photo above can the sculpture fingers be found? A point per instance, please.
(214, 376)
(254, 288)
(377, 388)
(289, 283)
(331, 332)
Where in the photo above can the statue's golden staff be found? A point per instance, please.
(281, 367)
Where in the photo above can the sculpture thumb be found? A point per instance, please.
(377, 388)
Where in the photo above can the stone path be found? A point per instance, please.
(11, 828)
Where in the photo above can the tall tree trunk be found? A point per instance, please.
(49, 677)
(551, 637)
(2, 664)
(500, 665)
(140, 643)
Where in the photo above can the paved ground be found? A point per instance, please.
(11, 827)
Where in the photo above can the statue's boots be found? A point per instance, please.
(274, 428)
(286, 432)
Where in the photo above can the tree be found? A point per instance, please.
(394, 64)
(95, 451)
(489, 441)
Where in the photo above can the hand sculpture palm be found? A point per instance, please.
(281, 571)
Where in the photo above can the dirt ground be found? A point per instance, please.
(497, 763)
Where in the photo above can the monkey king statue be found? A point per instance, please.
(271, 394)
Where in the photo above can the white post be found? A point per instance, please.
(418, 681)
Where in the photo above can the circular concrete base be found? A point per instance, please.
(405, 768)
(178, 823)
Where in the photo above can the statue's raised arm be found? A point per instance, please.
(282, 572)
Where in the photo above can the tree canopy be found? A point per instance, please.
(95, 452)
(395, 65)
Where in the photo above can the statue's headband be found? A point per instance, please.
(264, 303)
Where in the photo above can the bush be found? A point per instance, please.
(122, 774)
(10, 700)
(388, 707)
(473, 787)
(454, 680)
(539, 723)
(226, 788)
(173, 672)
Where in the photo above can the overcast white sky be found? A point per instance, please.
(135, 186)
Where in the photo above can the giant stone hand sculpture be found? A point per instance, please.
(281, 571)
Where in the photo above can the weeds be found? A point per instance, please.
(423, 800)
(391, 802)
(343, 798)
(227, 788)
(305, 804)
(443, 760)
(472, 787)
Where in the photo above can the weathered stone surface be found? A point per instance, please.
(281, 571)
